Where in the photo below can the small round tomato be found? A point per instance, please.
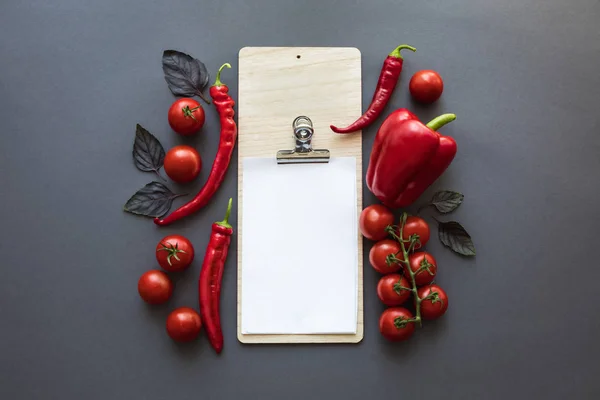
(434, 301)
(426, 86)
(393, 324)
(155, 287)
(393, 289)
(416, 226)
(380, 253)
(174, 253)
(426, 266)
(183, 324)
(186, 116)
(183, 163)
(373, 221)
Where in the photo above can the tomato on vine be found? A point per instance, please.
(383, 254)
(415, 226)
(373, 221)
(434, 301)
(393, 289)
(424, 266)
(395, 324)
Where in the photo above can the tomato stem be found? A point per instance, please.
(173, 250)
(187, 112)
(413, 239)
(425, 265)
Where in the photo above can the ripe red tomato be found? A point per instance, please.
(155, 287)
(174, 253)
(426, 86)
(183, 163)
(426, 263)
(390, 289)
(434, 303)
(379, 253)
(393, 325)
(373, 221)
(186, 116)
(183, 324)
(418, 226)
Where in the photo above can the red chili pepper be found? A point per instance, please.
(224, 104)
(209, 284)
(407, 157)
(390, 72)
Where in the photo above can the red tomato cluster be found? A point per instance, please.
(174, 253)
(396, 286)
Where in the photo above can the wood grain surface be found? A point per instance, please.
(277, 84)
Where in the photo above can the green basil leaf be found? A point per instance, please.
(148, 153)
(455, 237)
(446, 201)
(185, 75)
(153, 200)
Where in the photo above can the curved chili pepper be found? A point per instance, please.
(211, 275)
(390, 72)
(224, 104)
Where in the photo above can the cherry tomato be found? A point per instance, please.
(379, 253)
(186, 116)
(393, 289)
(155, 287)
(373, 221)
(183, 324)
(418, 226)
(174, 253)
(183, 163)
(434, 301)
(427, 265)
(393, 325)
(426, 86)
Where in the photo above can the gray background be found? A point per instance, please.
(75, 78)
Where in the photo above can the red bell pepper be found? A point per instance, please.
(407, 157)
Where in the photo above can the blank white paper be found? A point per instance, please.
(299, 247)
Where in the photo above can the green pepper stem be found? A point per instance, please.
(396, 52)
(440, 121)
(225, 221)
(218, 81)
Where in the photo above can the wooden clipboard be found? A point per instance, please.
(277, 84)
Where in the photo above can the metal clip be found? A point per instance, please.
(303, 153)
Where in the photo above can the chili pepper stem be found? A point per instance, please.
(218, 80)
(440, 121)
(396, 51)
(225, 221)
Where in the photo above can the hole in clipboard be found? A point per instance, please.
(298, 56)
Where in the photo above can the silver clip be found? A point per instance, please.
(303, 153)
